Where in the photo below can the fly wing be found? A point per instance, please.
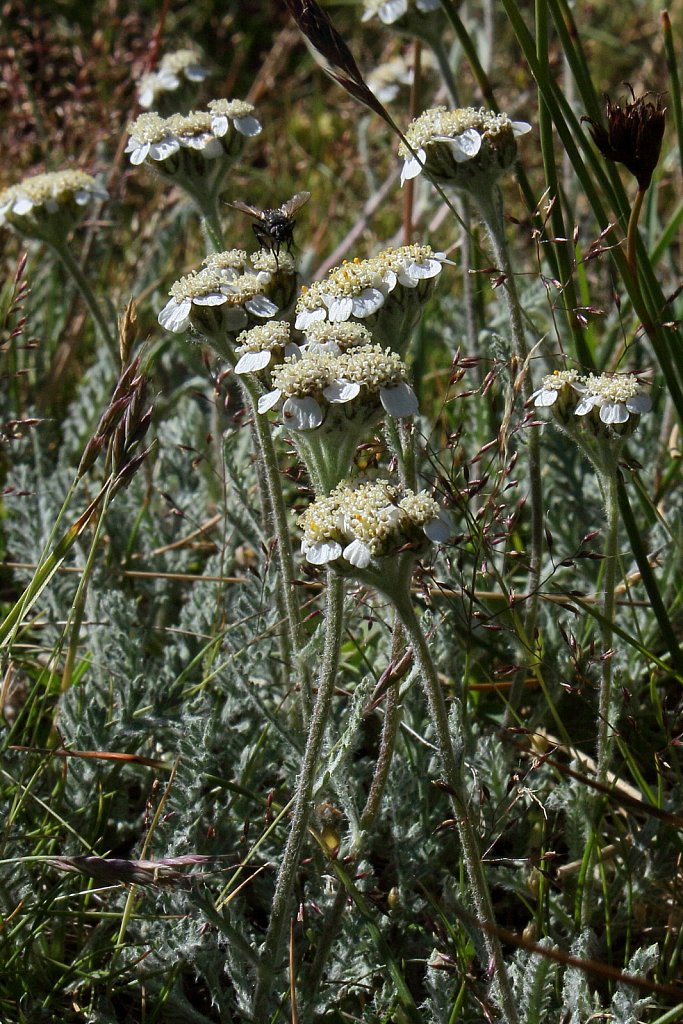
(295, 203)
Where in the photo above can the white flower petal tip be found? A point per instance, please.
(322, 552)
(302, 413)
(248, 126)
(341, 391)
(367, 303)
(520, 128)
(358, 554)
(210, 299)
(339, 309)
(585, 405)
(639, 404)
(413, 165)
(399, 401)
(465, 146)
(613, 412)
(439, 530)
(175, 316)
(544, 399)
(252, 362)
(268, 401)
(306, 317)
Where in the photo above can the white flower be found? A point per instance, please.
(553, 385)
(215, 132)
(51, 198)
(360, 288)
(442, 140)
(617, 397)
(236, 112)
(228, 284)
(364, 523)
(391, 11)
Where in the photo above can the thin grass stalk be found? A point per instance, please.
(611, 556)
(289, 865)
(674, 94)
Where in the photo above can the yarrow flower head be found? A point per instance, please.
(466, 148)
(371, 526)
(175, 69)
(340, 394)
(194, 150)
(333, 337)
(264, 346)
(386, 292)
(615, 400)
(48, 206)
(633, 136)
(386, 80)
(559, 390)
(231, 292)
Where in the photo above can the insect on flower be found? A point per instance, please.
(274, 227)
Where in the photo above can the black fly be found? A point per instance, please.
(274, 228)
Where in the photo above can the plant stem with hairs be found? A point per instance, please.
(284, 886)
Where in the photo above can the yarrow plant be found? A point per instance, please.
(467, 149)
(175, 69)
(48, 206)
(387, 292)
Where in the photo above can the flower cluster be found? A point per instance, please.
(336, 392)
(387, 292)
(465, 148)
(174, 69)
(169, 141)
(229, 293)
(361, 524)
(47, 206)
(613, 401)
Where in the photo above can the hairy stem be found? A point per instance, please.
(284, 885)
(73, 268)
(454, 775)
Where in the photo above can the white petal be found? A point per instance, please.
(146, 97)
(439, 529)
(339, 307)
(416, 272)
(195, 73)
(613, 412)
(250, 362)
(392, 10)
(302, 413)
(247, 125)
(413, 165)
(428, 5)
(639, 404)
(322, 552)
(520, 127)
(269, 401)
(292, 349)
(261, 306)
(175, 316)
(358, 554)
(306, 317)
(168, 79)
(466, 145)
(22, 205)
(138, 153)
(585, 405)
(544, 399)
(368, 302)
(210, 299)
(220, 125)
(399, 400)
(162, 150)
(341, 391)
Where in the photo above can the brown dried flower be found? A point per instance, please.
(633, 136)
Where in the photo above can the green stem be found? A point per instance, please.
(284, 885)
(210, 220)
(632, 236)
(492, 214)
(271, 470)
(455, 779)
(73, 268)
(605, 715)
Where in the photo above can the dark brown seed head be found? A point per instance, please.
(633, 136)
